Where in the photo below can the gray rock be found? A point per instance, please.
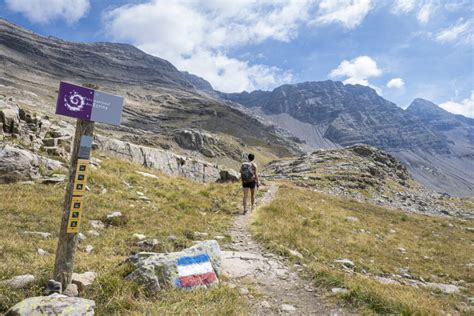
(346, 263)
(42, 252)
(53, 286)
(9, 117)
(41, 234)
(81, 237)
(295, 253)
(55, 304)
(17, 164)
(114, 214)
(71, 290)
(229, 175)
(157, 270)
(244, 291)
(83, 280)
(337, 290)
(97, 224)
(147, 175)
(265, 304)
(88, 249)
(19, 281)
(139, 236)
(148, 244)
(352, 219)
(165, 161)
(288, 308)
(445, 288)
(54, 179)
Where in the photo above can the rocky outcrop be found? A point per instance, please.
(55, 304)
(165, 161)
(18, 164)
(366, 174)
(198, 266)
(196, 140)
(9, 118)
(206, 143)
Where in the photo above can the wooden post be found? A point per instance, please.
(67, 243)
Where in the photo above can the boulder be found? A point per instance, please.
(229, 175)
(83, 280)
(9, 117)
(197, 140)
(17, 164)
(55, 304)
(197, 266)
(19, 281)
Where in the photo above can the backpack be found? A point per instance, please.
(247, 172)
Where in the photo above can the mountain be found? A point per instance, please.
(330, 114)
(160, 101)
(457, 129)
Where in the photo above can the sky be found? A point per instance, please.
(404, 49)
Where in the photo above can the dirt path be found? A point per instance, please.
(280, 289)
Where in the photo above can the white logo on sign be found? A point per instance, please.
(74, 101)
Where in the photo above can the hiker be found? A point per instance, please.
(248, 174)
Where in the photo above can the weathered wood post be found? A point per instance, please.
(67, 243)
(88, 106)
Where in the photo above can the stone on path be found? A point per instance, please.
(287, 308)
(19, 281)
(55, 304)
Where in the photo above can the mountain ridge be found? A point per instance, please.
(342, 114)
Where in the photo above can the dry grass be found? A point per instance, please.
(177, 208)
(437, 249)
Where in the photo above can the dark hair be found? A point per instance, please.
(251, 157)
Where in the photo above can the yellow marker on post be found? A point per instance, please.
(75, 214)
(81, 177)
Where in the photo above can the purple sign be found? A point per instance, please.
(87, 104)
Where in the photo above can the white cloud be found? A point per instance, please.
(43, 11)
(357, 71)
(426, 12)
(403, 6)
(464, 107)
(396, 83)
(455, 31)
(349, 13)
(196, 36)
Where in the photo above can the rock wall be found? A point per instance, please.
(165, 161)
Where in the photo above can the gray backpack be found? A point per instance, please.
(247, 172)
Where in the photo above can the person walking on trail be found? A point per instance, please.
(249, 176)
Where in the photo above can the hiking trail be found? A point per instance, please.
(279, 288)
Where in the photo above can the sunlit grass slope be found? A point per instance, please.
(177, 207)
(380, 242)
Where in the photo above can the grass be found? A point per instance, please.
(437, 250)
(178, 207)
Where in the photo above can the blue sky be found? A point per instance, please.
(404, 49)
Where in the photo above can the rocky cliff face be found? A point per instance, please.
(329, 114)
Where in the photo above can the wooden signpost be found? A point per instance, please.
(88, 106)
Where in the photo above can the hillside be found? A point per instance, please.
(161, 102)
(329, 114)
